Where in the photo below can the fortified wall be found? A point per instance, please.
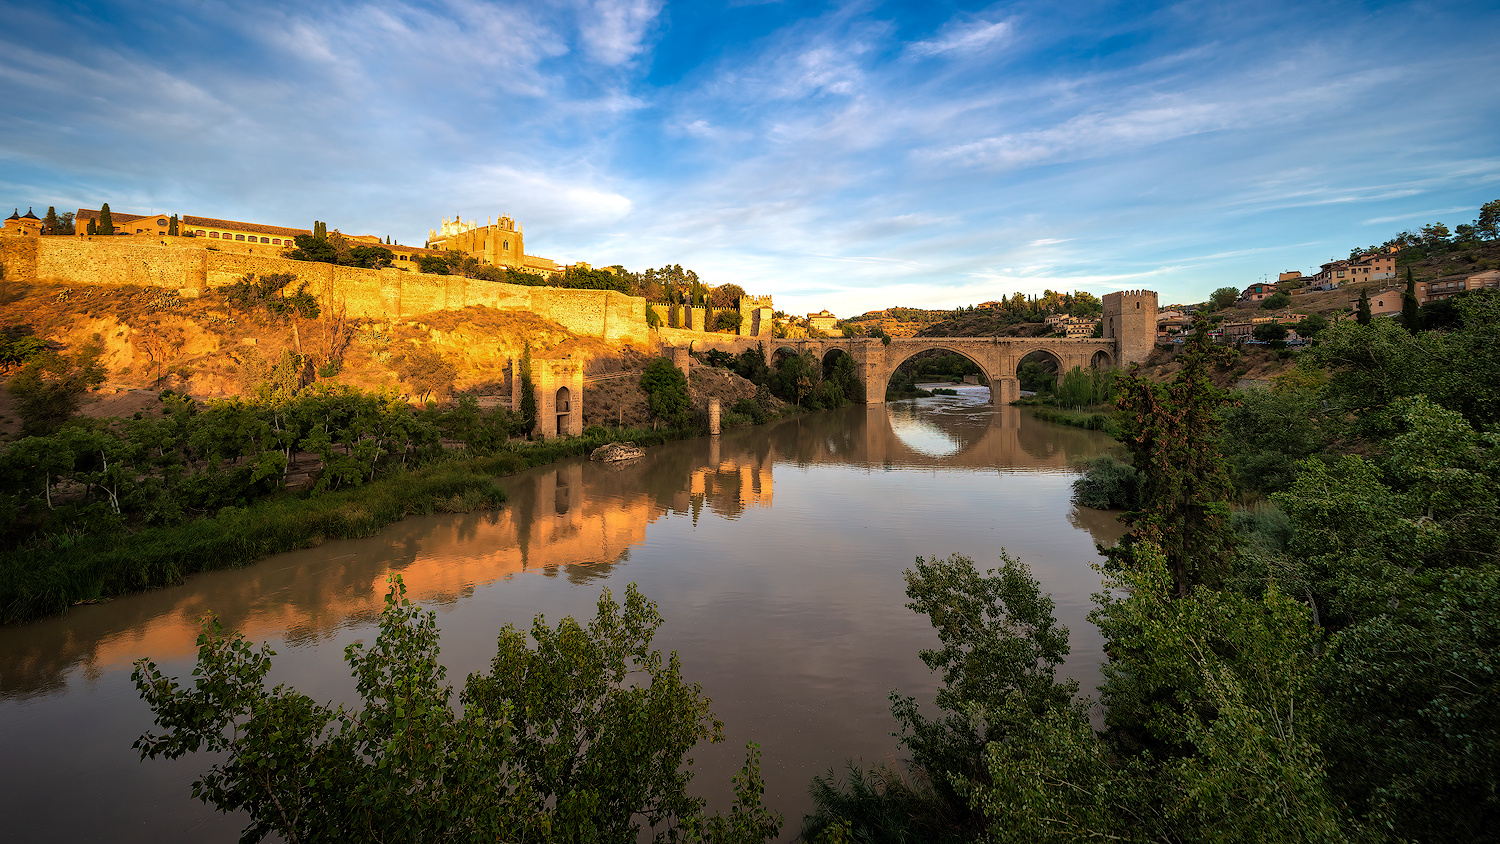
(189, 267)
(373, 294)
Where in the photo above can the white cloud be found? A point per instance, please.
(964, 38)
(1418, 215)
(614, 31)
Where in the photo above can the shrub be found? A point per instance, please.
(1108, 484)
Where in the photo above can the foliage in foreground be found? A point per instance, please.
(581, 737)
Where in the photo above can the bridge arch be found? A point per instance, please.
(1101, 360)
(906, 354)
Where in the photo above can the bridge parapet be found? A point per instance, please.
(1130, 335)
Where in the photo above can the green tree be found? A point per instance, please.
(666, 391)
(1223, 298)
(1310, 325)
(1488, 223)
(432, 264)
(726, 296)
(48, 388)
(582, 736)
(1269, 332)
(728, 321)
(370, 257)
(1362, 312)
(50, 223)
(528, 409)
(1172, 434)
(312, 248)
(106, 223)
(425, 372)
(1279, 299)
(172, 226)
(93, 227)
(1411, 309)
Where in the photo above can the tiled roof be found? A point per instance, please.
(190, 221)
(116, 217)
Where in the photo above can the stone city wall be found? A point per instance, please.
(374, 294)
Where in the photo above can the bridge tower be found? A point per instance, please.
(1130, 320)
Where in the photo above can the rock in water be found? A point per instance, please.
(615, 452)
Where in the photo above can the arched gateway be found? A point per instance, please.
(1129, 322)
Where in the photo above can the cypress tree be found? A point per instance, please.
(50, 223)
(1411, 311)
(528, 390)
(93, 229)
(1363, 314)
(106, 222)
(172, 226)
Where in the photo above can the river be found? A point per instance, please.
(775, 554)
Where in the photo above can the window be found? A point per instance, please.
(239, 237)
(199, 232)
(162, 221)
(213, 234)
(507, 246)
(265, 240)
(275, 241)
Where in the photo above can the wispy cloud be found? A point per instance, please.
(615, 31)
(1418, 215)
(851, 157)
(964, 37)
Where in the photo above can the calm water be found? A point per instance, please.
(776, 556)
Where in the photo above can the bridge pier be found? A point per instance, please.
(1005, 390)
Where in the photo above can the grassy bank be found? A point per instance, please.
(1093, 420)
(93, 567)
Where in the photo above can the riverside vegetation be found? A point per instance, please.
(96, 508)
(1319, 667)
(1322, 666)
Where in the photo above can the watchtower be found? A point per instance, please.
(1130, 320)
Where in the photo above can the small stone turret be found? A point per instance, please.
(1130, 319)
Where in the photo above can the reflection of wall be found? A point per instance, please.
(576, 517)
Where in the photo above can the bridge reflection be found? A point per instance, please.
(574, 520)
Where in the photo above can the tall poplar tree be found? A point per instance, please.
(1411, 310)
(172, 226)
(1363, 314)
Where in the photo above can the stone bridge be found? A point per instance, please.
(1129, 326)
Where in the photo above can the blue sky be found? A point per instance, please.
(842, 155)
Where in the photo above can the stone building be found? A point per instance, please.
(1130, 319)
(500, 243)
(822, 321)
(27, 226)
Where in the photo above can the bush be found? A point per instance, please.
(1109, 484)
(666, 391)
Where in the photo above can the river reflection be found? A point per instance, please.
(775, 554)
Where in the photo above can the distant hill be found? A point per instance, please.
(985, 322)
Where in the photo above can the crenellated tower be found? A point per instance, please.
(1130, 320)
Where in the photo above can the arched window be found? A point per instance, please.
(239, 237)
(199, 232)
(275, 241)
(507, 246)
(213, 234)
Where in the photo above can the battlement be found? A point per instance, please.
(1129, 319)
